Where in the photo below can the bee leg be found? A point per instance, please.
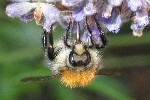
(90, 31)
(44, 41)
(67, 35)
(102, 35)
(39, 79)
(50, 51)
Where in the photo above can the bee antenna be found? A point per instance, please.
(39, 79)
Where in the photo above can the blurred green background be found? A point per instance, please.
(21, 56)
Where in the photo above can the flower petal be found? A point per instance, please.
(109, 19)
(78, 14)
(51, 14)
(142, 18)
(27, 17)
(19, 9)
(89, 9)
(52, 0)
(115, 26)
(137, 31)
(69, 3)
(107, 10)
(115, 2)
(64, 18)
(134, 6)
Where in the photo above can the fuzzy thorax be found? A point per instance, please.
(80, 78)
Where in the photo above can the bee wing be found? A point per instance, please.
(23, 10)
(39, 79)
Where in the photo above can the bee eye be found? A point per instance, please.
(79, 60)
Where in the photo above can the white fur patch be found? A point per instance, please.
(62, 59)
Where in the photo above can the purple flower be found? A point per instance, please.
(70, 3)
(90, 9)
(51, 15)
(109, 19)
(107, 10)
(78, 14)
(27, 11)
(137, 31)
(115, 2)
(142, 18)
(19, 9)
(115, 26)
(134, 5)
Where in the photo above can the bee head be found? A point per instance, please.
(79, 56)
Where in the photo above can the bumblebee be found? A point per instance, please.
(74, 62)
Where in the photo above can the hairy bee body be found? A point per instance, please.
(74, 76)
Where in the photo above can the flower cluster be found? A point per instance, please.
(111, 14)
